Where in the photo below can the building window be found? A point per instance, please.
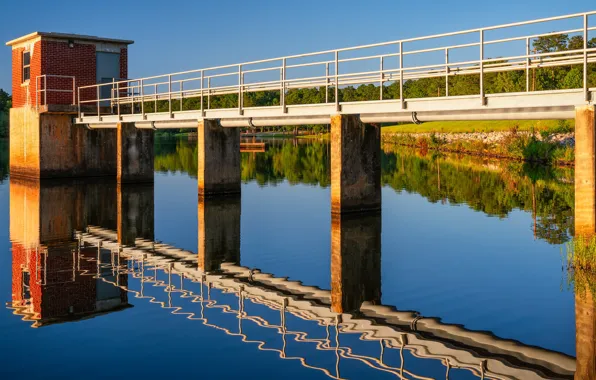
(26, 66)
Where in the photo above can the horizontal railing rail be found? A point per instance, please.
(42, 90)
(331, 70)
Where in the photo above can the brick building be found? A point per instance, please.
(61, 62)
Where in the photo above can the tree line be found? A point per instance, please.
(5, 104)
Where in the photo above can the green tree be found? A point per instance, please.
(5, 104)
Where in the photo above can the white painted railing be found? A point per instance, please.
(353, 66)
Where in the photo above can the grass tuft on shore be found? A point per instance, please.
(581, 253)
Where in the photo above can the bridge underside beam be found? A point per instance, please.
(355, 165)
(219, 159)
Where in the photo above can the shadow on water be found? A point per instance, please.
(493, 187)
(111, 259)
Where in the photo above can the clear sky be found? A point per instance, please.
(182, 35)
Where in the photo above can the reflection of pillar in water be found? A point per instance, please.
(219, 231)
(135, 213)
(585, 331)
(355, 261)
(585, 171)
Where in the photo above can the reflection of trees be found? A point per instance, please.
(3, 160)
(176, 155)
(495, 188)
(298, 163)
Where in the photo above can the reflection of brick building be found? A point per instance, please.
(51, 280)
(55, 284)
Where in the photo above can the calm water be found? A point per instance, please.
(460, 241)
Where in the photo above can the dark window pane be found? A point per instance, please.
(26, 59)
(26, 74)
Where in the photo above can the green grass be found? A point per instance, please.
(581, 253)
(474, 126)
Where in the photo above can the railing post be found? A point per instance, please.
(381, 78)
(586, 92)
(401, 75)
(45, 90)
(202, 85)
(327, 82)
(37, 92)
(283, 86)
(447, 72)
(209, 93)
(170, 95)
(337, 81)
(132, 96)
(79, 102)
(98, 101)
(482, 99)
(143, 99)
(118, 98)
(181, 93)
(528, 62)
(240, 95)
(155, 95)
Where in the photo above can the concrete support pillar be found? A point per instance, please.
(585, 333)
(355, 261)
(219, 232)
(135, 154)
(219, 159)
(48, 145)
(355, 165)
(135, 213)
(585, 171)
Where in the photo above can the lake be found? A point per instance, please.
(462, 274)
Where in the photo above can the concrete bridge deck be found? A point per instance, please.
(481, 352)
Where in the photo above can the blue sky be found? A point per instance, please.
(182, 35)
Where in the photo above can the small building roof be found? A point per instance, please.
(67, 36)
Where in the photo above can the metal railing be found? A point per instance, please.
(330, 70)
(41, 88)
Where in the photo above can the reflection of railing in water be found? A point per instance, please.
(388, 327)
(208, 302)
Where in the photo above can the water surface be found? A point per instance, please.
(460, 241)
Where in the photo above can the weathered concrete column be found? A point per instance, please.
(135, 154)
(135, 213)
(585, 332)
(47, 145)
(219, 232)
(355, 165)
(355, 261)
(585, 171)
(219, 159)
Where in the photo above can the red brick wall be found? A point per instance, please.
(123, 63)
(19, 91)
(57, 58)
(78, 61)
